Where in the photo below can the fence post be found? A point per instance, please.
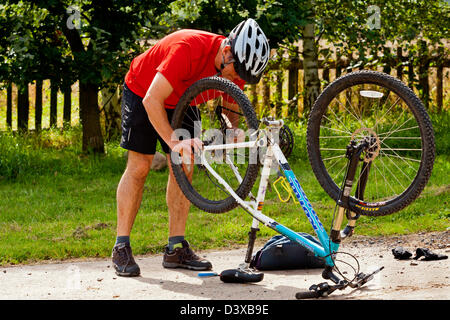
(411, 74)
(53, 104)
(9, 106)
(293, 77)
(400, 63)
(38, 106)
(279, 93)
(440, 80)
(326, 73)
(67, 110)
(265, 94)
(23, 107)
(338, 63)
(423, 73)
(386, 60)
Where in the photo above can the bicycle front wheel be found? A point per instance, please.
(217, 112)
(378, 108)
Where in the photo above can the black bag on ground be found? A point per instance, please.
(281, 253)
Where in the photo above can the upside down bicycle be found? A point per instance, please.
(370, 143)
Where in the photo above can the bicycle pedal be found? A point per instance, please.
(324, 286)
(363, 278)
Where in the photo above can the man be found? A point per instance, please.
(153, 85)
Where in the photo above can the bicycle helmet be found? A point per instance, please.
(250, 50)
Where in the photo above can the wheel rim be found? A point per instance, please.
(214, 113)
(373, 112)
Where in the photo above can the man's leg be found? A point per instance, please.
(179, 255)
(177, 203)
(130, 190)
(129, 197)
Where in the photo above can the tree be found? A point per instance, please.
(94, 41)
(417, 26)
(357, 27)
(283, 22)
(30, 52)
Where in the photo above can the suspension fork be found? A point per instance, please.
(354, 152)
(360, 188)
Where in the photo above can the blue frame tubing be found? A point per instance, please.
(327, 248)
(323, 251)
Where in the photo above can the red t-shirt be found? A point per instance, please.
(182, 57)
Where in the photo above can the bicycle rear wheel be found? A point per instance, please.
(378, 108)
(220, 105)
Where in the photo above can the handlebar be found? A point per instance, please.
(269, 121)
(307, 295)
(324, 289)
(320, 290)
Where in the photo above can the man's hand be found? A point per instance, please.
(235, 135)
(187, 148)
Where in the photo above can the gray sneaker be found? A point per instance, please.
(184, 257)
(123, 261)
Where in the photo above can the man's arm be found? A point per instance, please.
(157, 93)
(159, 90)
(235, 134)
(233, 117)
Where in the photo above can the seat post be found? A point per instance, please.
(251, 241)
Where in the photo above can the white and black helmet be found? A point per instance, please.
(250, 50)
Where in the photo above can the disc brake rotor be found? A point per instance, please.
(369, 135)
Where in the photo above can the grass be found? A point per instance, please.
(57, 203)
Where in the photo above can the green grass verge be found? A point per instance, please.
(57, 203)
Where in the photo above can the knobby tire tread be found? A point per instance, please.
(229, 203)
(420, 114)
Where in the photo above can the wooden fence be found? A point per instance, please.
(430, 69)
(428, 78)
(38, 106)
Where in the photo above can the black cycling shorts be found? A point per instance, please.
(138, 134)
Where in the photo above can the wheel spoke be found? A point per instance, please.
(394, 104)
(385, 180)
(330, 158)
(357, 119)
(374, 114)
(391, 132)
(397, 155)
(399, 169)
(343, 125)
(334, 137)
(334, 129)
(403, 158)
(387, 168)
(398, 130)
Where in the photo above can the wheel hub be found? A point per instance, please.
(373, 141)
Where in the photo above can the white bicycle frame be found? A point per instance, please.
(254, 206)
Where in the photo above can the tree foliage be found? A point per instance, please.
(89, 41)
(281, 20)
(94, 41)
(31, 46)
(359, 26)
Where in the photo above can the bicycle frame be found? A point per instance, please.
(327, 248)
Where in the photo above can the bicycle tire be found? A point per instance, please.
(426, 139)
(244, 188)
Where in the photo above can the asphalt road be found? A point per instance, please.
(95, 279)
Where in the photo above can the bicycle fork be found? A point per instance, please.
(354, 152)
